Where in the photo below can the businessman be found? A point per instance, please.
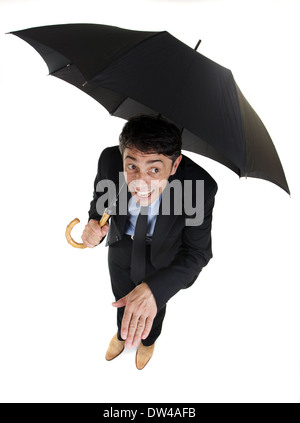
(160, 244)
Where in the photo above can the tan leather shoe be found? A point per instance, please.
(115, 348)
(143, 355)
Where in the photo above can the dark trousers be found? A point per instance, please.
(119, 263)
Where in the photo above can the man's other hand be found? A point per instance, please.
(93, 233)
(140, 311)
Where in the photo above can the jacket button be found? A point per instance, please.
(117, 238)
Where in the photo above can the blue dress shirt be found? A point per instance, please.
(134, 210)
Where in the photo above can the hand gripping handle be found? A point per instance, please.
(74, 222)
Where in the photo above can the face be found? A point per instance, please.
(147, 174)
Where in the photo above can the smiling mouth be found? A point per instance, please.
(144, 194)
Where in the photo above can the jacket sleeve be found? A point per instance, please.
(93, 214)
(193, 254)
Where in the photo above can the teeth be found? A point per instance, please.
(143, 194)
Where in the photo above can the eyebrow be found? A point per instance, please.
(148, 162)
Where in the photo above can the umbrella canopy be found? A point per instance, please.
(133, 72)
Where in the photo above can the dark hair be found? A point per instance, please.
(151, 134)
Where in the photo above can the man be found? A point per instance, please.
(177, 245)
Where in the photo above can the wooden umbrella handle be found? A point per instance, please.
(74, 222)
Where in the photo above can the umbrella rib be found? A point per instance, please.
(119, 105)
(60, 69)
(113, 113)
(119, 55)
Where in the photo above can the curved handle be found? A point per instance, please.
(74, 222)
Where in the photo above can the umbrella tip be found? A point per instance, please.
(197, 45)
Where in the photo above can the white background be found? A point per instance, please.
(234, 335)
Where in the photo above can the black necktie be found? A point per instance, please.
(138, 258)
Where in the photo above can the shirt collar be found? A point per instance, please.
(153, 209)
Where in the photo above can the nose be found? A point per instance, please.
(142, 186)
(142, 180)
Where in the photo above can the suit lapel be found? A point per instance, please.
(165, 222)
(120, 219)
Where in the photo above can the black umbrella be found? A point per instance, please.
(133, 72)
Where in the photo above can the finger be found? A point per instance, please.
(148, 327)
(139, 331)
(86, 243)
(94, 227)
(120, 303)
(132, 330)
(92, 235)
(105, 229)
(125, 323)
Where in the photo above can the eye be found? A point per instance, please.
(155, 170)
(131, 167)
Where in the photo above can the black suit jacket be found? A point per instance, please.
(178, 252)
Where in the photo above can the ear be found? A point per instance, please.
(176, 164)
